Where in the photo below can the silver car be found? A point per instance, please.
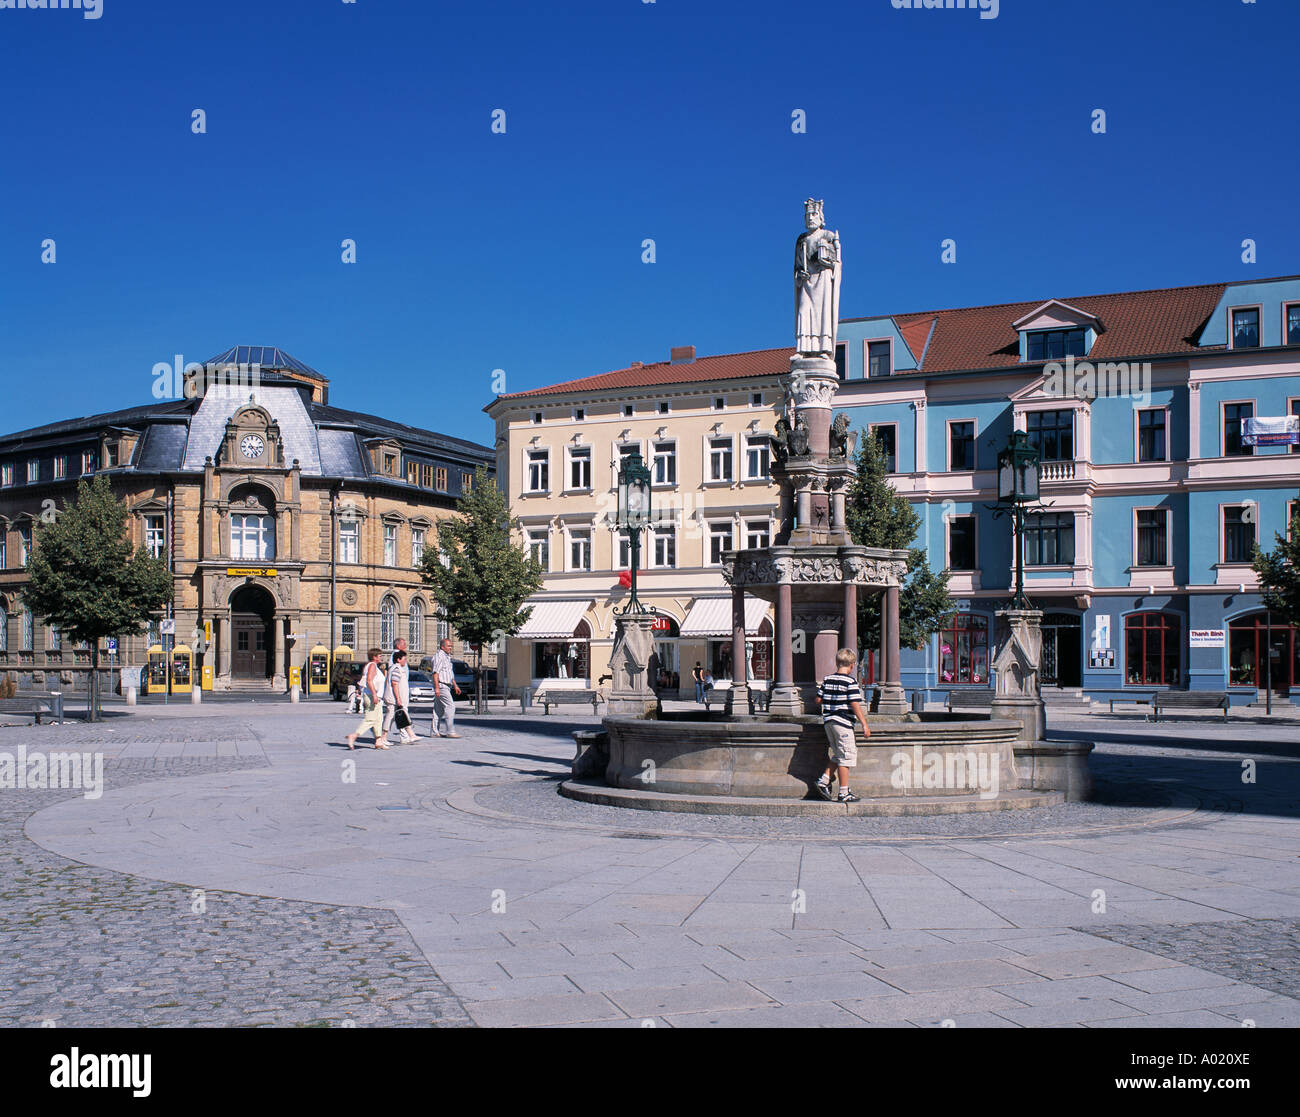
(421, 686)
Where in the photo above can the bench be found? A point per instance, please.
(980, 699)
(34, 707)
(1189, 700)
(1133, 700)
(575, 697)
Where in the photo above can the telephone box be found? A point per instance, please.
(182, 669)
(207, 676)
(318, 670)
(155, 676)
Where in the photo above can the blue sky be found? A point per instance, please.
(624, 121)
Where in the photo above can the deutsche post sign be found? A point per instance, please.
(251, 571)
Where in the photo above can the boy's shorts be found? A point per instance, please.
(843, 744)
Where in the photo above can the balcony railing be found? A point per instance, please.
(1056, 471)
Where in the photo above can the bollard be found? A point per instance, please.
(295, 693)
(196, 696)
(525, 699)
(918, 702)
(130, 696)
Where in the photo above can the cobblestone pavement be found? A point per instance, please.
(465, 882)
(83, 946)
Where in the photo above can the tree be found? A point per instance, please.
(1279, 574)
(86, 580)
(879, 517)
(480, 578)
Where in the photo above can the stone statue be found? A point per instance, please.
(800, 438)
(817, 260)
(781, 440)
(840, 436)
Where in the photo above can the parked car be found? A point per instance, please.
(421, 686)
(464, 675)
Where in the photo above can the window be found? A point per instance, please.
(961, 446)
(4, 629)
(24, 543)
(664, 466)
(580, 468)
(539, 471)
(55, 643)
(1249, 661)
(387, 623)
(1151, 645)
(1151, 435)
(664, 549)
(1238, 533)
(1245, 328)
(1295, 410)
(580, 550)
(33, 471)
(1293, 324)
(7, 474)
(539, 547)
(155, 535)
(842, 361)
(466, 482)
(252, 536)
(719, 403)
(390, 464)
(961, 543)
(758, 458)
(348, 631)
(964, 650)
(719, 541)
(349, 537)
(887, 435)
(1053, 345)
(415, 625)
(720, 451)
(88, 461)
(629, 410)
(440, 478)
(1049, 539)
(444, 626)
(4, 545)
(663, 407)
(417, 546)
(60, 467)
(110, 455)
(878, 358)
(537, 416)
(756, 399)
(579, 414)
(1234, 426)
(412, 473)
(1051, 433)
(1152, 537)
(624, 551)
(390, 544)
(758, 533)
(29, 631)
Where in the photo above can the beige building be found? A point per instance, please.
(289, 524)
(703, 427)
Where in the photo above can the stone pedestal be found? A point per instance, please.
(1018, 692)
(631, 694)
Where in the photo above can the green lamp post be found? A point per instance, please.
(1018, 466)
(633, 516)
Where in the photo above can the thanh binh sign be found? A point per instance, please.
(1206, 638)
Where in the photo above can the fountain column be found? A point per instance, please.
(850, 639)
(738, 695)
(892, 698)
(785, 695)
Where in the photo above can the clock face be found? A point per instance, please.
(252, 446)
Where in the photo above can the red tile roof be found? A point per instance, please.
(730, 366)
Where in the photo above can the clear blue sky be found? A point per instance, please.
(625, 120)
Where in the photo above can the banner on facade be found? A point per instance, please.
(1101, 632)
(1275, 430)
(1206, 638)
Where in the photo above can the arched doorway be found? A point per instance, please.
(1249, 641)
(252, 634)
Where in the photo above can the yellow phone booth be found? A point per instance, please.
(182, 669)
(156, 673)
(318, 670)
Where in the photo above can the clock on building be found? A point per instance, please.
(252, 446)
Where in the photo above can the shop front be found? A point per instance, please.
(557, 636)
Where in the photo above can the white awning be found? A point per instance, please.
(711, 616)
(553, 620)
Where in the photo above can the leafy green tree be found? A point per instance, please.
(879, 517)
(86, 580)
(1279, 574)
(479, 576)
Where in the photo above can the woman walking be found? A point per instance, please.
(372, 702)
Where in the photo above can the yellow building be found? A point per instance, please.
(290, 524)
(703, 427)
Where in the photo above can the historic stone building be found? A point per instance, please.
(290, 524)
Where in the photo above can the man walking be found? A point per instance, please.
(841, 702)
(444, 683)
(397, 693)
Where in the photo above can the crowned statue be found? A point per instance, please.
(817, 260)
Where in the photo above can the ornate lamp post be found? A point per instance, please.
(633, 516)
(1017, 487)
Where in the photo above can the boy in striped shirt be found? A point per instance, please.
(841, 702)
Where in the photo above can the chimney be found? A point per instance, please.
(681, 355)
(635, 364)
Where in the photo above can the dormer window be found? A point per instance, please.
(1293, 324)
(1054, 345)
(1245, 328)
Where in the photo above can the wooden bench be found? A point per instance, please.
(1133, 700)
(566, 697)
(34, 707)
(1189, 700)
(977, 699)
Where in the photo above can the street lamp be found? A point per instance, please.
(633, 516)
(1017, 487)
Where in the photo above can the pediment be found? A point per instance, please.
(1056, 315)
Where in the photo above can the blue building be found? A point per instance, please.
(1140, 552)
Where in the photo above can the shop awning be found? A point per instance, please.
(553, 620)
(711, 616)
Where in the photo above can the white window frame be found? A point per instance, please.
(33, 470)
(867, 343)
(576, 538)
(975, 442)
(155, 535)
(1169, 533)
(578, 454)
(390, 544)
(539, 546)
(1137, 434)
(722, 459)
(252, 532)
(667, 536)
(760, 444)
(716, 530)
(417, 546)
(541, 460)
(765, 531)
(352, 553)
(1258, 308)
(670, 456)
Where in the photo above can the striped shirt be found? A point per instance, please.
(837, 693)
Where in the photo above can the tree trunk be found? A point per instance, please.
(92, 705)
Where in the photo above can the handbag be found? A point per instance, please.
(402, 719)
